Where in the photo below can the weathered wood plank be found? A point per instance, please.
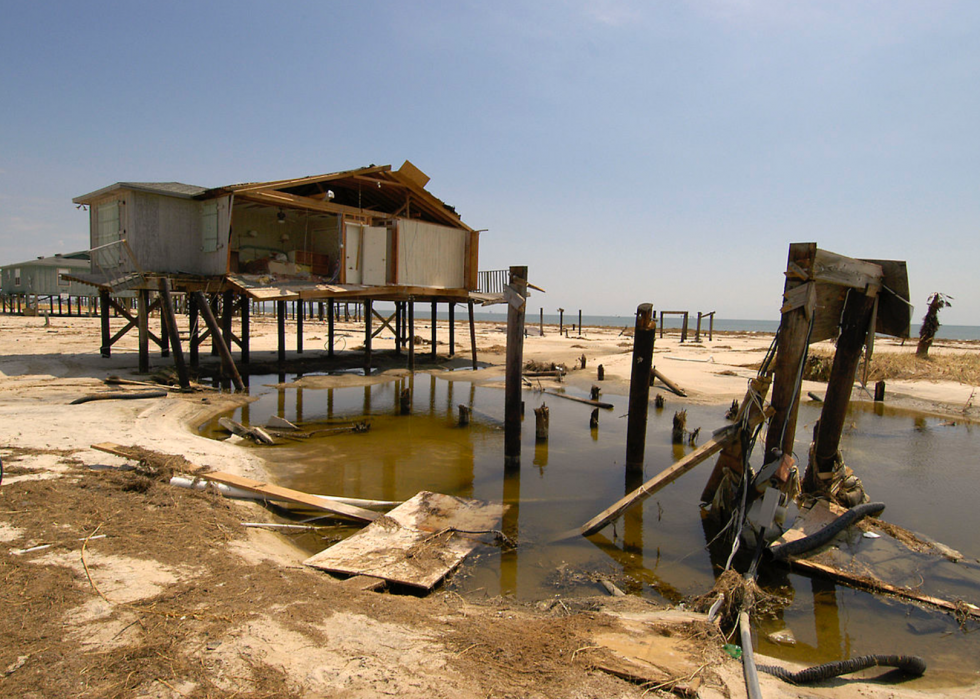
(665, 477)
(294, 496)
(417, 543)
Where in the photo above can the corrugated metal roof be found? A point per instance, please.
(170, 189)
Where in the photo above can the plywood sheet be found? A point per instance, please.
(417, 543)
(881, 557)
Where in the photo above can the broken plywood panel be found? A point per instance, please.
(882, 557)
(418, 543)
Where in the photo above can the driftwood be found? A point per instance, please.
(119, 395)
(595, 403)
(656, 374)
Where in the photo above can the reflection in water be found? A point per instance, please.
(915, 464)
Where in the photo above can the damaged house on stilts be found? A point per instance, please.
(357, 236)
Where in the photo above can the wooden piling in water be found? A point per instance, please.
(541, 419)
(879, 392)
(636, 427)
(405, 402)
(600, 373)
(516, 294)
(464, 415)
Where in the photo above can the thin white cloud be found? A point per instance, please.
(613, 13)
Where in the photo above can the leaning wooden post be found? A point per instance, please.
(168, 310)
(636, 426)
(104, 314)
(227, 362)
(472, 333)
(516, 294)
(142, 313)
(791, 345)
(854, 330)
(541, 420)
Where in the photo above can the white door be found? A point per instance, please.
(352, 254)
(374, 254)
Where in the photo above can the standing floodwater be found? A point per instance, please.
(921, 467)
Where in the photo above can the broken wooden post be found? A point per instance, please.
(227, 362)
(580, 323)
(600, 373)
(142, 313)
(659, 401)
(791, 345)
(541, 322)
(516, 295)
(106, 348)
(854, 329)
(684, 328)
(405, 402)
(594, 393)
(636, 427)
(168, 310)
(594, 419)
(464, 415)
(583, 360)
(541, 419)
(561, 321)
(679, 427)
(656, 374)
(280, 328)
(879, 392)
(472, 333)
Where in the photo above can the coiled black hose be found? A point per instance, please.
(909, 664)
(817, 539)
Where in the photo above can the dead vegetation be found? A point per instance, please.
(905, 366)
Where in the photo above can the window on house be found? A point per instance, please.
(16, 276)
(209, 226)
(108, 224)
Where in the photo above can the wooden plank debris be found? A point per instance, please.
(594, 403)
(666, 477)
(417, 543)
(275, 492)
(894, 564)
(657, 374)
(236, 428)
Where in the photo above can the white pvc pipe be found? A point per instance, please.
(230, 491)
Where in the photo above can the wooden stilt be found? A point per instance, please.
(516, 294)
(472, 333)
(367, 336)
(227, 362)
(411, 334)
(143, 312)
(854, 330)
(167, 310)
(246, 329)
(636, 426)
(104, 314)
(791, 347)
(281, 329)
(194, 341)
(464, 415)
(452, 328)
(435, 306)
(331, 311)
(398, 327)
(299, 328)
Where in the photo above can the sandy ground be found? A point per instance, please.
(144, 590)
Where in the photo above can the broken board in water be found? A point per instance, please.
(882, 557)
(418, 543)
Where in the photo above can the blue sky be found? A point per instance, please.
(627, 152)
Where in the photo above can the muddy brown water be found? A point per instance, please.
(923, 468)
